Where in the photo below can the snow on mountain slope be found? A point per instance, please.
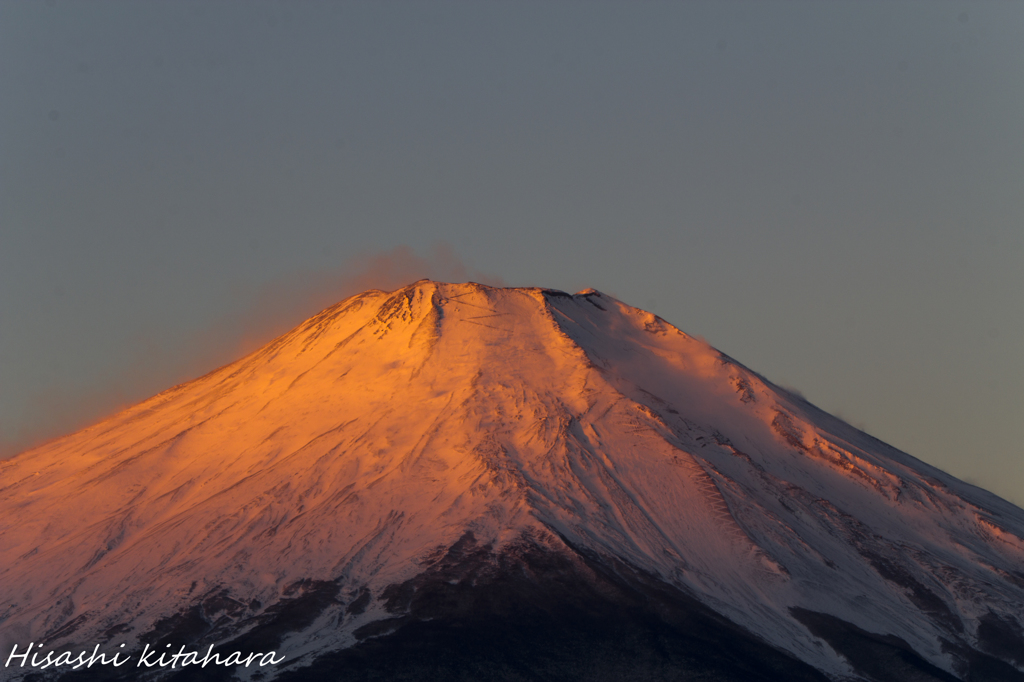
(354, 450)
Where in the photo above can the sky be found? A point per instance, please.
(832, 193)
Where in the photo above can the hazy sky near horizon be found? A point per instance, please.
(830, 192)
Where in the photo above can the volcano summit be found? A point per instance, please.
(458, 482)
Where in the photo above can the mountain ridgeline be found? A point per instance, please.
(459, 482)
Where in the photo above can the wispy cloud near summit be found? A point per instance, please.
(261, 314)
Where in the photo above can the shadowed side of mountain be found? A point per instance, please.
(887, 658)
(532, 613)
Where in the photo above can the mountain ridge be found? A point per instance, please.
(361, 446)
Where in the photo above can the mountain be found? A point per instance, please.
(459, 482)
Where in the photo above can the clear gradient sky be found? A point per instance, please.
(830, 192)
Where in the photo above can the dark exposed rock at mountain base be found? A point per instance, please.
(534, 614)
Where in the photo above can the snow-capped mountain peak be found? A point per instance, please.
(398, 442)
